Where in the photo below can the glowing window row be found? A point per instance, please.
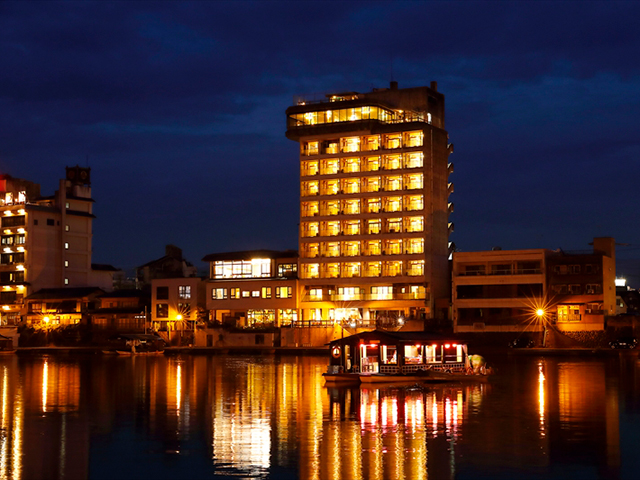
(254, 268)
(376, 292)
(355, 114)
(340, 186)
(260, 292)
(333, 166)
(395, 246)
(391, 268)
(367, 143)
(362, 227)
(355, 206)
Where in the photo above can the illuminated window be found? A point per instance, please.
(393, 183)
(371, 184)
(394, 225)
(373, 205)
(349, 293)
(413, 139)
(287, 316)
(350, 144)
(414, 202)
(66, 263)
(284, 292)
(311, 270)
(384, 292)
(393, 247)
(66, 205)
(184, 291)
(414, 181)
(162, 310)
(569, 313)
(311, 148)
(332, 207)
(310, 188)
(255, 268)
(352, 165)
(310, 168)
(311, 250)
(351, 185)
(287, 269)
(373, 247)
(373, 269)
(332, 249)
(392, 162)
(415, 267)
(310, 209)
(393, 204)
(352, 207)
(374, 226)
(332, 147)
(66, 246)
(330, 187)
(352, 249)
(393, 268)
(234, 293)
(352, 227)
(66, 281)
(393, 140)
(352, 269)
(219, 293)
(261, 317)
(330, 166)
(315, 294)
(415, 224)
(332, 228)
(310, 229)
(332, 270)
(414, 160)
(415, 245)
(255, 293)
(371, 143)
(371, 164)
(246, 294)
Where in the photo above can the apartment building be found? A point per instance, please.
(517, 290)
(374, 205)
(45, 240)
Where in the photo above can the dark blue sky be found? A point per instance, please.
(180, 109)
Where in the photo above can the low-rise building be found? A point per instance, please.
(516, 290)
(52, 307)
(253, 288)
(122, 311)
(176, 303)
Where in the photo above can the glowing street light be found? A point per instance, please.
(540, 312)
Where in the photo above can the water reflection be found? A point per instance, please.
(235, 417)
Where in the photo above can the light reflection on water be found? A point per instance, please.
(266, 417)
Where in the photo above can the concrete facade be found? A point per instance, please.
(501, 291)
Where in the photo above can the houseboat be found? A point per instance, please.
(387, 357)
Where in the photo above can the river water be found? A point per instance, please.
(199, 417)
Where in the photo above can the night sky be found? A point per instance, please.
(178, 108)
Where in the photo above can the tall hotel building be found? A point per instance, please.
(374, 206)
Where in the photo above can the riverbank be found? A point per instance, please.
(322, 351)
